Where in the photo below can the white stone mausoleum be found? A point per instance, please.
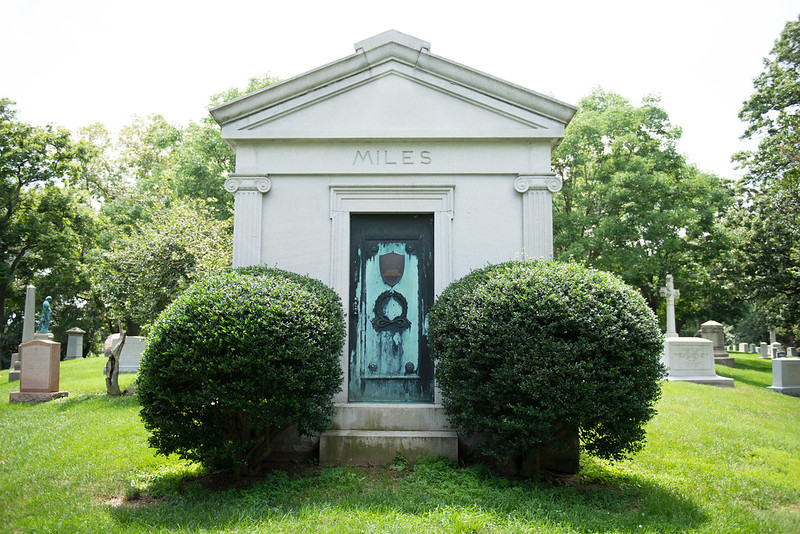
(388, 174)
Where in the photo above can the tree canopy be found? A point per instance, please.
(46, 224)
(770, 213)
(632, 205)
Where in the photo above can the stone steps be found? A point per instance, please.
(373, 433)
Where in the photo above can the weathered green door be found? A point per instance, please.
(391, 291)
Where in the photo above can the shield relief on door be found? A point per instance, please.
(391, 292)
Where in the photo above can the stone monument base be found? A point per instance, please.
(786, 376)
(691, 359)
(727, 361)
(36, 396)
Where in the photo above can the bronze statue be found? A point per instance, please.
(44, 319)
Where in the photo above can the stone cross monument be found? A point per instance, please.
(671, 293)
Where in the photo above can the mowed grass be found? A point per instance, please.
(717, 460)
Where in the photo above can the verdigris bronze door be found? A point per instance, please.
(391, 292)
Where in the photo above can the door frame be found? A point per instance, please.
(356, 198)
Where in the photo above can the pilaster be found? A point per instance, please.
(248, 193)
(537, 212)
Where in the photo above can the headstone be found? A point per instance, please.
(774, 349)
(742, 347)
(786, 376)
(41, 365)
(671, 293)
(714, 332)
(763, 350)
(14, 366)
(74, 344)
(791, 351)
(751, 349)
(691, 359)
(131, 352)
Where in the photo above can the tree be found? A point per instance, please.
(773, 119)
(633, 206)
(145, 271)
(46, 224)
(770, 250)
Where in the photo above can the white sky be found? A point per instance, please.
(76, 62)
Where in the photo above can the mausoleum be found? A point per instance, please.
(388, 174)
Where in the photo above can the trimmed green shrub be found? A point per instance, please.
(236, 359)
(527, 350)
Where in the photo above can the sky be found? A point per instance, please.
(76, 62)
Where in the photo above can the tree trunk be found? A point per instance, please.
(112, 367)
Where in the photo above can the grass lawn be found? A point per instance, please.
(717, 460)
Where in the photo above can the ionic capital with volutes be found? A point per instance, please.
(526, 182)
(247, 182)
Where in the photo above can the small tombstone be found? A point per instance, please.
(41, 366)
(763, 350)
(714, 332)
(751, 349)
(791, 351)
(74, 344)
(691, 359)
(786, 376)
(742, 347)
(774, 349)
(14, 366)
(131, 352)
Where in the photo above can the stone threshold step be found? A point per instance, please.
(388, 417)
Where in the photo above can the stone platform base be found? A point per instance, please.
(707, 380)
(376, 447)
(36, 396)
(727, 361)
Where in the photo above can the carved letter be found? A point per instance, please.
(364, 157)
(425, 157)
(407, 157)
(386, 158)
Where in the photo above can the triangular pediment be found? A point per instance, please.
(393, 88)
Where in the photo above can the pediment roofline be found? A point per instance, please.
(392, 46)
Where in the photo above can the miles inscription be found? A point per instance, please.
(392, 157)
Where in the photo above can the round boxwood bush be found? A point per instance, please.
(527, 350)
(236, 359)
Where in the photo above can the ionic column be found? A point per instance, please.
(537, 213)
(248, 193)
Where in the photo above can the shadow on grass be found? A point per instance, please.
(74, 401)
(756, 373)
(434, 497)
